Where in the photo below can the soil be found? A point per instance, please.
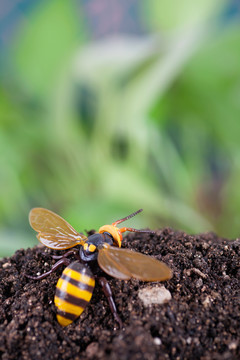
(200, 321)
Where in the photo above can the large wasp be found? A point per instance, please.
(98, 253)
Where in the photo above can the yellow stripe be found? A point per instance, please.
(63, 321)
(79, 277)
(65, 306)
(64, 285)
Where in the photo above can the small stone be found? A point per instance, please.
(6, 265)
(92, 349)
(154, 295)
(233, 345)
(207, 301)
(199, 283)
(157, 341)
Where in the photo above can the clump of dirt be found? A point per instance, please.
(200, 321)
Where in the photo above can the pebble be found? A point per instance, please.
(157, 341)
(6, 265)
(154, 295)
(233, 345)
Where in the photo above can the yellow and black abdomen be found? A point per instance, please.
(73, 292)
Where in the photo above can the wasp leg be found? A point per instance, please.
(108, 293)
(63, 261)
(68, 253)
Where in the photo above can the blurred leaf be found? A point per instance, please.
(171, 14)
(45, 44)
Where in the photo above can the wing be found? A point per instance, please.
(53, 231)
(125, 264)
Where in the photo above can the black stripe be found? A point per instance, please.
(80, 268)
(77, 283)
(70, 298)
(67, 315)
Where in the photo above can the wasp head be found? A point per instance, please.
(89, 250)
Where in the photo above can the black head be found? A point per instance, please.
(89, 250)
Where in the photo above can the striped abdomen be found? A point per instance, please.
(73, 292)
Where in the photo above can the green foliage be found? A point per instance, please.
(96, 131)
(45, 44)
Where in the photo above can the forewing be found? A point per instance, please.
(53, 231)
(125, 264)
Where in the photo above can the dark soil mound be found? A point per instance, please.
(201, 321)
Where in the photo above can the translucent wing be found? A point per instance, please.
(53, 231)
(125, 264)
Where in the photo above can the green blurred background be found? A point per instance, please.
(107, 107)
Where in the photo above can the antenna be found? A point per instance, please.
(123, 229)
(127, 217)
